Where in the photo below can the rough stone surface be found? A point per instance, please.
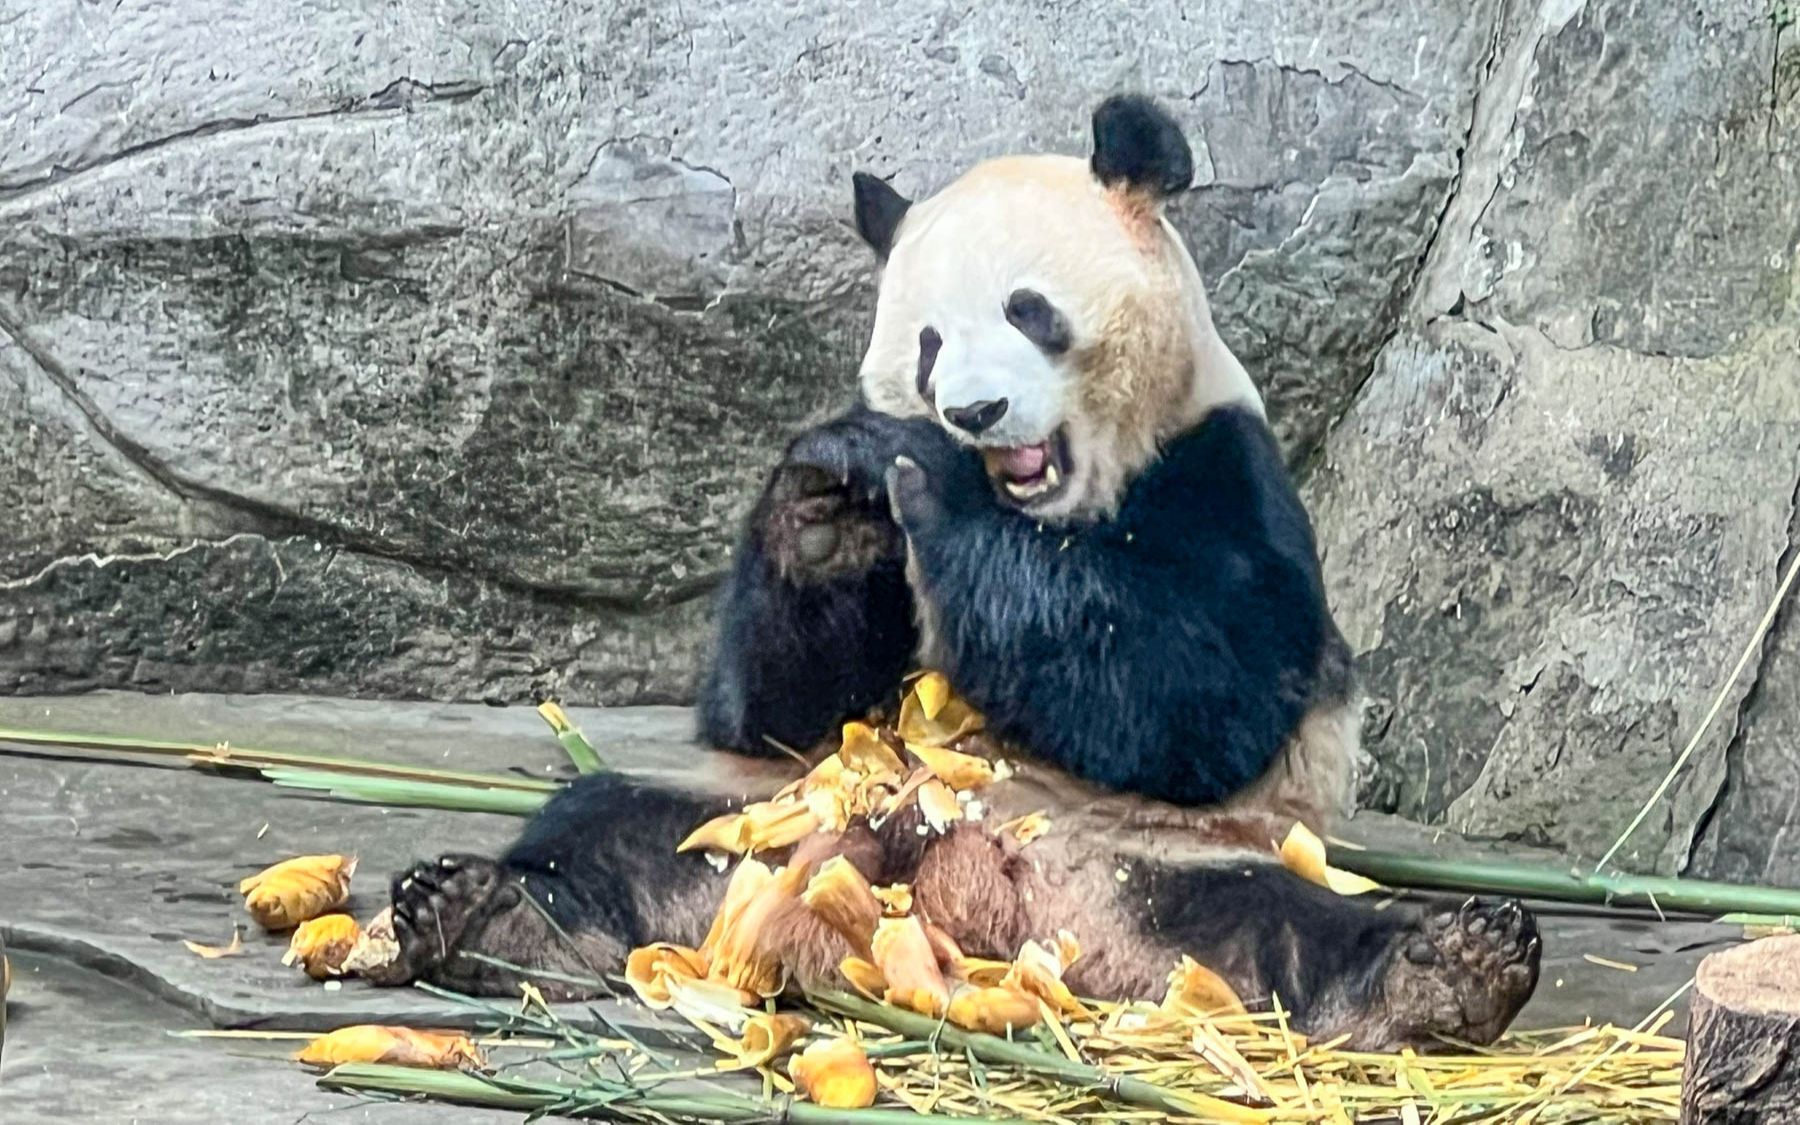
(419, 353)
(84, 1046)
(111, 862)
(394, 353)
(1560, 505)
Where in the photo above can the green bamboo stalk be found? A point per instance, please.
(5, 987)
(574, 743)
(443, 1085)
(1561, 885)
(1773, 921)
(215, 755)
(415, 794)
(612, 1101)
(993, 1049)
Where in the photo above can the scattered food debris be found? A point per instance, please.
(1609, 963)
(835, 1073)
(1303, 853)
(213, 952)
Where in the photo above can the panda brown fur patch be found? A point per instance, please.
(1140, 213)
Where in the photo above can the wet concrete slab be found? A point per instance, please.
(112, 862)
(82, 1046)
(107, 863)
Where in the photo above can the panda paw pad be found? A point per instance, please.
(1464, 973)
(814, 528)
(434, 903)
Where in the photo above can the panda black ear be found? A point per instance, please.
(879, 209)
(1137, 144)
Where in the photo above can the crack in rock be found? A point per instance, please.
(100, 562)
(403, 94)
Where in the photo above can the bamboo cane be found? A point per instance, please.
(1561, 885)
(992, 1049)
(612, 1101)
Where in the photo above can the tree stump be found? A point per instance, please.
(1743, 1054)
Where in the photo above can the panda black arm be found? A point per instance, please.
(815, 621)
(1171, 650)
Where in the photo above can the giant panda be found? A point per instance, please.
(1059, 488)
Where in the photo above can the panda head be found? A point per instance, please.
(1044, 310)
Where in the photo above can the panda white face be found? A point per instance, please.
(1054, 324)
(1001, 378)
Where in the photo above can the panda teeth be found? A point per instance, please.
(1026, 490)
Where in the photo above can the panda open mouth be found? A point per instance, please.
(1030, 474)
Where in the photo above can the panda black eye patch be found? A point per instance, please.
(929, 343)
(1037, 319)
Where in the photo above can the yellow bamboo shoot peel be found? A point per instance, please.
(322, 945)
(396, 1046)
(767, 1037)
(291, 892)
(834, 1073)
(843, 900)
(908, 965)
(1303, 853)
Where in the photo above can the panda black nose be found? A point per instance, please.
(976, 417)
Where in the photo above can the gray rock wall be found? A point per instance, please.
(433, 351)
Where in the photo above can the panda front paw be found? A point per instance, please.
(909, 492)
(826, 511)
(852, 453)
(936, 481)
(814, 529)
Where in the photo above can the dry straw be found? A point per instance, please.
(1132, 1062)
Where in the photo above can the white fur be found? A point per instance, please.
(1146, 362)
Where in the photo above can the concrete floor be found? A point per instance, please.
(110, 862)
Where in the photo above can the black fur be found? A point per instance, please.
(1263, 924)
(1386, 975)
(1040, 321)
(605, 842)
(1137, 143)
(1171, 650)
(802, 649)
(879, 209)
(593, 875)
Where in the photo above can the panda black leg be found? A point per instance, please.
(1401, 976)
(815, 623)
(593, 875)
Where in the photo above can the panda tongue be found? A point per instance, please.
(1022, 462)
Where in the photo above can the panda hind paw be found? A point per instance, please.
(435, 903)
(1462, 973)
